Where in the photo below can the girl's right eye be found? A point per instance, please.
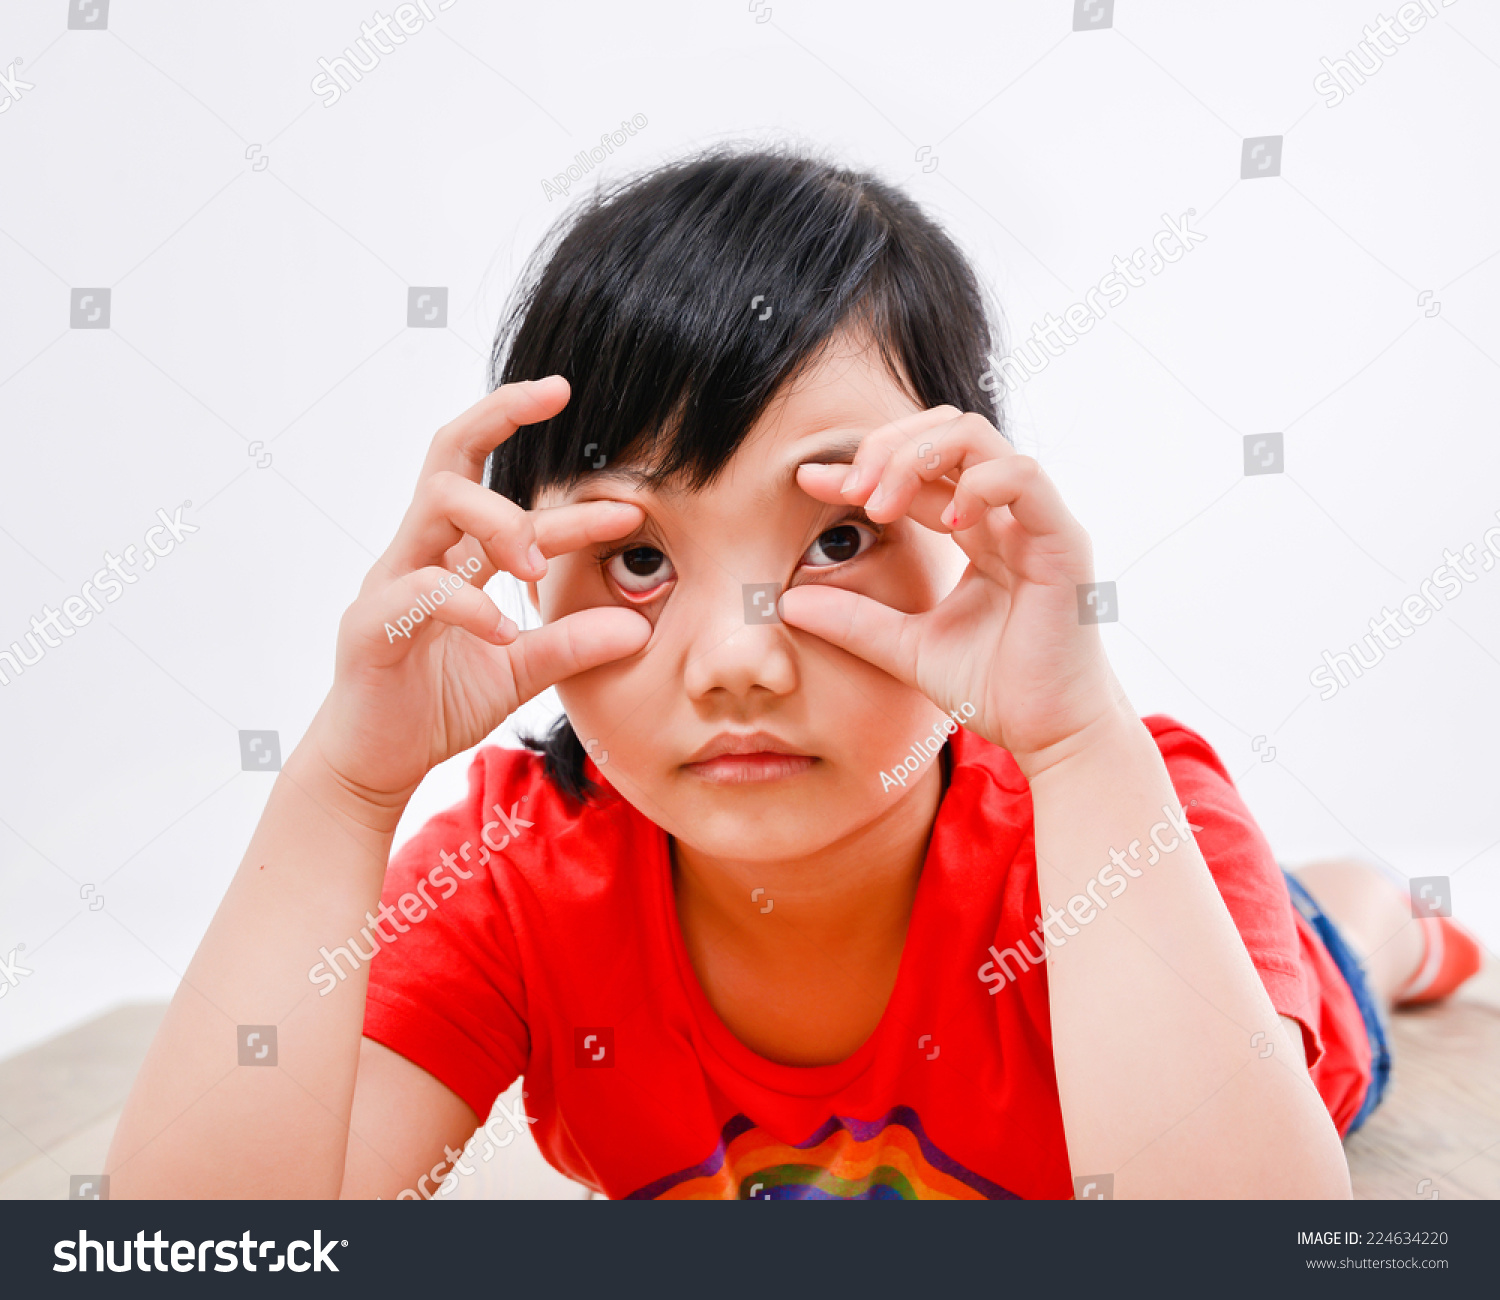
(639, 570)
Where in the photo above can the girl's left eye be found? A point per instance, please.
(638, 569)
(838, 545)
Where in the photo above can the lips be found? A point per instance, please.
(735, 743)
(737, 758)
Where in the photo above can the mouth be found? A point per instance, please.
(734, 758)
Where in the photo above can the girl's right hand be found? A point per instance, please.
(402, 703)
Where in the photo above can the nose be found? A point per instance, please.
(729, 652)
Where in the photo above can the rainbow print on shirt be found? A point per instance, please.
(889, 1159)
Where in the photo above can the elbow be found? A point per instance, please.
(1329, 1180)
(1315, 1169)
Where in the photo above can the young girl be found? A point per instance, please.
(850, 871)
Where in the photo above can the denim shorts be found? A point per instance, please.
(1359, 984)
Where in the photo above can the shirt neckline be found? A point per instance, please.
(805, 1080)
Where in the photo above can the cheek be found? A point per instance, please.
(944, 562)
(573, 582)
(931, 569)
(913, 578)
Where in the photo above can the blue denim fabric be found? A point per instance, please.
(1359, 984)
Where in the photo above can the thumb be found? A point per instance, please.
(574, 644)
(876, 633)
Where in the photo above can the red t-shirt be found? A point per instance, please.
(555, 952)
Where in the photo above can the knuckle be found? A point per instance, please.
(449, 440)
(971, 426)
(513, 528)
(500, 505)
(442, 487)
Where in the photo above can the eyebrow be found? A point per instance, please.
(833, 453)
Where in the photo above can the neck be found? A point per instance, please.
(854, 892)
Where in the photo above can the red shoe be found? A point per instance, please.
(1451, 955)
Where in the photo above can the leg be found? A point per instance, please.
(1408, 961)
(1373, 917)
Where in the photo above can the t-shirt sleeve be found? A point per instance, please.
(1244, 868)
(447, 993)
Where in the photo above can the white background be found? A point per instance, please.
(270, 305)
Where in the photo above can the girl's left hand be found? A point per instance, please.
(1008, 639)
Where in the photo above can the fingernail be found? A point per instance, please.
(507, 628)
(874, 502)
(538, 560)
(852, 480)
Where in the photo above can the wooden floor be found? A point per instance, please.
(59, 1104)
(1436, 1135)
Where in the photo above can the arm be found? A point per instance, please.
(1155, 1001)
(340, 1115)
(196, 1123)
(404, 1124)
(414, 683)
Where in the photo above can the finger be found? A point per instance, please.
(561, 529)
(558, 530)
(463, 444)
(1019, 483)
(943, 452)
(876, 633)
(822, 483)
(447, 507)
(574, 644)
(390, 620)
(555, 530)
(876, 448)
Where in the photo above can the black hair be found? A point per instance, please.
(651, 299)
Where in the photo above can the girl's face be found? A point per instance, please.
(709, 669)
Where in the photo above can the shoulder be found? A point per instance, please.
(983, 770)
(512, 872)
(990, 794)
(1183, 748)
(1206, 790)
(1238, 855)
(522, 831)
